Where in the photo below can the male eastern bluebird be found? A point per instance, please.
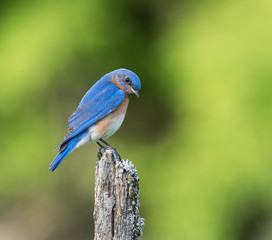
(100, 112)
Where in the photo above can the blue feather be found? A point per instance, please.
(63, 153)
(103, 98)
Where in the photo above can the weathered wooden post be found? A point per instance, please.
(116, 210)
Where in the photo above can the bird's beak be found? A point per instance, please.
(134, 91)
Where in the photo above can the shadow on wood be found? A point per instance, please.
(116, 210)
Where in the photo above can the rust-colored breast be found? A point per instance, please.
(112, 122)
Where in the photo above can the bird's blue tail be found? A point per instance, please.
(62, 154)
(71, 144)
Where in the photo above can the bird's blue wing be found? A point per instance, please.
(99, 101)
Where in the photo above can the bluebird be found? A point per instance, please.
(100, 112)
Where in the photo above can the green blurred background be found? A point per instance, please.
(199, 135)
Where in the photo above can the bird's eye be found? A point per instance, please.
(127, 80)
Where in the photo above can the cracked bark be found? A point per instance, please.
(116, 210)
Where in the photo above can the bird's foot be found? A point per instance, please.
(101, 149)
(108, 146)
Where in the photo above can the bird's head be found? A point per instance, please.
(126, 80)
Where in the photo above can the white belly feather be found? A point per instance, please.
(110, 128)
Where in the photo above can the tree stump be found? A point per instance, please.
(116, 210)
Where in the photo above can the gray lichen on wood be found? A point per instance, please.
(116, 211)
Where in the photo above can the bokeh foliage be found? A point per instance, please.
(200, 134)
